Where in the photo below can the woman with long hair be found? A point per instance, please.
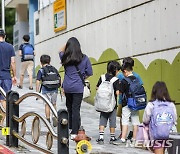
(74, 61)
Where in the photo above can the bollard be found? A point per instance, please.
(175, 148)
(63, 132)
(11, 110)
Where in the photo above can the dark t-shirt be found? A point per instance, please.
(20, 48)
(124, 89)
(116, 84)
(6, 52)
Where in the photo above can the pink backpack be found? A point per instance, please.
(142, 134)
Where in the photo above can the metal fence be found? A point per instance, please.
(13, 121)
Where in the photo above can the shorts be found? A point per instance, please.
(6, 86)
(52, 97)
(104, 118)
(127, 114)
(27, 65)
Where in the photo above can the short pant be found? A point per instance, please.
(127, 114)
(6, 86)
(104, 118)
(52, 97)
(27, 65)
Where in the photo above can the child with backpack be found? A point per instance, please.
(120, 76)
(50, 81)
(129, 87)
(106, 101)
(160, 114)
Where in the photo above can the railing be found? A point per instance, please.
(13, 120)
(3, 93)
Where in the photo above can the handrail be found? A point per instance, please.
(28, 114)
(3, 92)
(39, 95)
(13, 121)
(31, 144)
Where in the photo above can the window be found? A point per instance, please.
(37, 26)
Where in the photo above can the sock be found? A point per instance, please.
(112, 136)
(101, 135)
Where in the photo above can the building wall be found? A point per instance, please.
(147, 30)
(99, 25)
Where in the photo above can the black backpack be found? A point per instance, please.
(50, 78)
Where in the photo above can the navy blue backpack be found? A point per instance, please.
(136, 99)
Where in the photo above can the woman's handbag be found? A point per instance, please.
(86, 92)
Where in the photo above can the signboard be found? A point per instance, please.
(59, 15)
(5, 131)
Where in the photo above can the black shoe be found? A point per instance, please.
(19, 86)
(100, 141)
(112, 140)
(30, 88)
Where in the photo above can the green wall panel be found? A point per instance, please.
(178, 114)
(158, 70)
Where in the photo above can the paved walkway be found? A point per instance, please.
(90, 120)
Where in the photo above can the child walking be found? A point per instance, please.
(50, 79)
(111, 116)
(162, 111)
(127, 113)
(120, 76)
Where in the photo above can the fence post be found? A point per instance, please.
(12, 109)
(63, 132)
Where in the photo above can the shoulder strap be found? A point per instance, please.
(45, 70)
(103, 77)
(78, 71)
(113, 79)
(128, 80)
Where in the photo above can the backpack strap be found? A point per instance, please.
(103, 77)
(113, 79)
(45, 70)
(128, 80)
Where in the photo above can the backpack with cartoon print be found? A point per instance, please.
(162, 120)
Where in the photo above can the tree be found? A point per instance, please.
(9, 23)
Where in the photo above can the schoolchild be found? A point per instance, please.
(127, 113)
(160, 98)
(120, 76)
(49, 92)
(111, 116)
